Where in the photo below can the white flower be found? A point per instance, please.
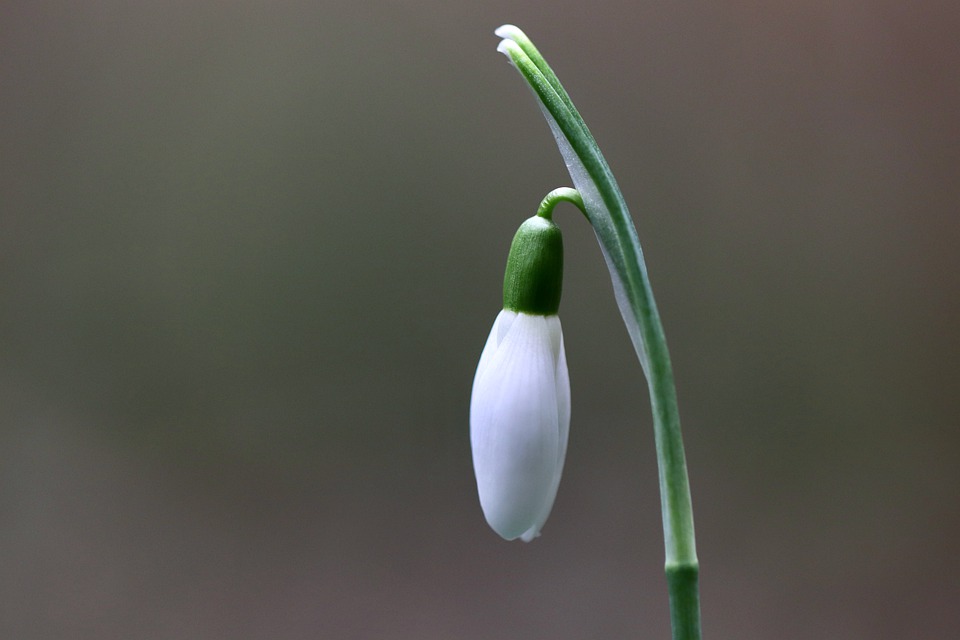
(519, 422)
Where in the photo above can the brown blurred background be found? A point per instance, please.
(249, 254)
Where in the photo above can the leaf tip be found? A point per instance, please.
(510, 49)
(508, 32)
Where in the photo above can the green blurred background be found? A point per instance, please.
(250, 252)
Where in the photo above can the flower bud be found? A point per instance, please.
(520, 406)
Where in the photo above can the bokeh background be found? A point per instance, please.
(250, 252)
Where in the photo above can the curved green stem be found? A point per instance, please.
(555, 197)
(607, 212)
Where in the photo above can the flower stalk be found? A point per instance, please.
(607, 212)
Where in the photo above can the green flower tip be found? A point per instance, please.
(533, 279)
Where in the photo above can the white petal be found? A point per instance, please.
(500, 327)
(563, 426)
(519, 420)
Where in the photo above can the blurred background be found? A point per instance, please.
(250, 253)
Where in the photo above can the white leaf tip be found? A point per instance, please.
(508, 31)
(509, 48)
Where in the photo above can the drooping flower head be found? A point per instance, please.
(520, 406)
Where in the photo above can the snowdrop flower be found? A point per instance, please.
(520, 406)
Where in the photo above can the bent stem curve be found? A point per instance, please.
(607, 213)
(555, 197)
